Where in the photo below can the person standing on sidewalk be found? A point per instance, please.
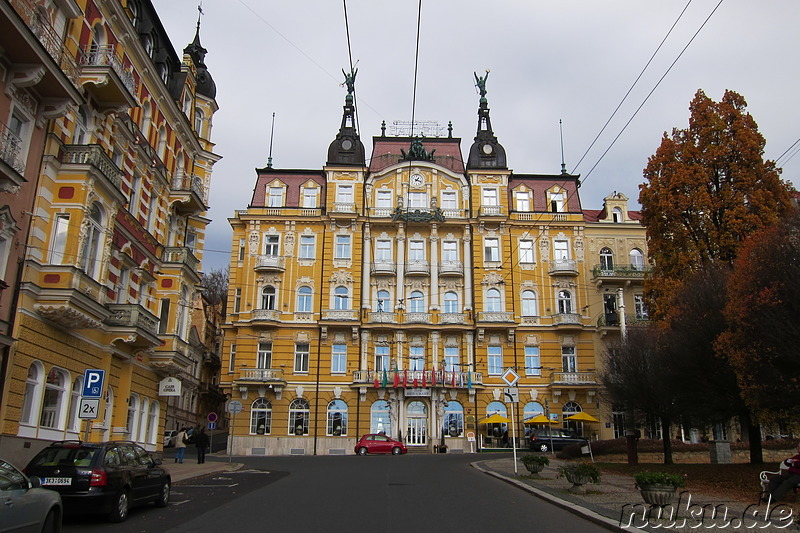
(201, 441)
(180, 445)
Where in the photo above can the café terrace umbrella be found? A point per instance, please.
(496, 418)
(584, 417)
(539, 419)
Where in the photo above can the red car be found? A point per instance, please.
(379, 443)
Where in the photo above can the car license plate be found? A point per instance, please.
(57, 481)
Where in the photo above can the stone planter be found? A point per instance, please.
(658, 494)
(578, 481)
(534, 468)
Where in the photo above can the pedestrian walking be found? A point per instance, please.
(201, 441)
(180, 445)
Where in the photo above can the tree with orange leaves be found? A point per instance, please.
(708, 188)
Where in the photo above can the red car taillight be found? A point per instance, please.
(98, 478)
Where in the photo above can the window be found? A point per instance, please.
(307, 247)
(523, 199)
(342, 247)
(299, 413)
(341, 298)
(338, 359)
(416, 358)
(383, 250)
(557, 200)
(533, 365)
(191, 240)
(60, 235)
(606, 260)
(152, 212)
(344, 194)
(304, 297)
(495, 356)
(123, 285)
(241, 250)
(337, 418)
(268, 298)
(529, 306)
(301, 351)
(53, 400)
(237, 300)
(260, 417)
(637, 259)
(417, 200)
(561, 251)
(526, 251)
(453, 421)
(491, 250)
(152, 429)
(198, 122)
(80, 134)
(639, 307)
(416, 251)
(182, 322)
(564, 302)
(451, 359)
(163, 316)
(275, 198)
(381, 358)
(417, 303)
(380, 421)
(490, 197)
(20, 126)
(382, 304)
(92, 255)
(132, 423)
(310, 196)
(616, 214)
(493, 301)
(33, 393)
(73, 422)
(449, 251)
(383, 199)
(232, 359)
(569, 361)
(271, 245)
(451, 302)
(449, 200)
(264, 355)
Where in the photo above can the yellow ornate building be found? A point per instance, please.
(117, 226)
(393, 296)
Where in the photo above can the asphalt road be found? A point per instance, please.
(417, 493)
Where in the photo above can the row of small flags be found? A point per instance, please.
(398, 381)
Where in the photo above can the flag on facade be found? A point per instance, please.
(424, 381)
(433, 378)
(396, 379)
(454, 378)
(469, 380)
(416, 381)
(376, 381)
(385, 379)
(405, 378)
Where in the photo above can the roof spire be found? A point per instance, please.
(347, 148)
(199, 12)
(561, 134)
(271, 135)
(485, 152)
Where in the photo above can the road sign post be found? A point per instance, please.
(233, 407)
(512, 394)
(89, 409)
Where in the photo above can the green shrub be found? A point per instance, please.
(532, 459)
(659, 478)
(580, 469)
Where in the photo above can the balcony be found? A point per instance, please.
(418, 267)
(424, 378)
(12, 167)
(134, 321)
(383, 267)
(340, 314)
(491, 210)
(417, 318)
(383, 318)
(92, 159)
(618, 273)
(266, 314)
(493, 316)
(269, 263)
(67, 296)
(564, 267)
(180, 256)
(573, 378)
(611, 320)
(261, 375)
(451, 268)
(189, 194)
(173, 356)
(529, 321)
(105, 78)
(567, 320)
(452, 318)
(343, 207)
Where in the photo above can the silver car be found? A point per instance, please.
(24, 505)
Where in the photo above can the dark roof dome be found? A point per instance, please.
(205, 83)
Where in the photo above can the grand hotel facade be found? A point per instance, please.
(391, 293)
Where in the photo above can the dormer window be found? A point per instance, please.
(616, 215)
(310, 197)
(523, 199)
(275, 196)
(557, 202)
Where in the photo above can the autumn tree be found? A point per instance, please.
(215, 287)
(708, 187)
(763, 342)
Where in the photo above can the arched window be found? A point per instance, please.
(304, 297)
(144, 407)
(380, 421)
(152, 422)
(92, 246)
(382, 304)
(417, 303)
(493, 302)
(162, 143)
(81, 130)
(33, 393)
(496, 430)
(569, 409)
(451, 302)
(564, 302)
(183, 312)
(73, 422)
(261, 417)
(268, 297)
(299, 414)
(606, 259)
(453, 422)
(341, 298)
(529, 411)
(616, 214)
(53, 402)
(198, 122)
(133, 417)
(529, 307)
(637, 259)
(337, 418)
(108, 413)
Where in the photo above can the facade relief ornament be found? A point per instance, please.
(492, 278)
(253, 241)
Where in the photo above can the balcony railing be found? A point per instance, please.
(631, 319)
(10, 149)
(384, 267)
(383, 318)
(418, 318)
(427, 378)
(452, 318)
(343, 207)
(620, 271)
(180, 255)
(564, 266)
(529, 320)
(485, 316)
(564, 319)
(190, 184)
(340, 314)
(451, 268)
(261, 374)
(574, 378)
(266, 314)
(419, 266)
(270, 262)
(106, 56)
(94, 155)
(491, 210)
(132, 315)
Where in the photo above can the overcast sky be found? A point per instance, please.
(569, 60)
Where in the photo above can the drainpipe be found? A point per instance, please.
(319, 347)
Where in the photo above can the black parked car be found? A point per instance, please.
(101, 477)
(544, 438)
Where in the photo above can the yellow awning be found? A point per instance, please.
(539, 419)
(496, 418)
(582, 417)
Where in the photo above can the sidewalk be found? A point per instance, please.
(189, 467)
(615, 503)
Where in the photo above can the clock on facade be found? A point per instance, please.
(417, 180)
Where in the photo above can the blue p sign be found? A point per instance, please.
(93, 383)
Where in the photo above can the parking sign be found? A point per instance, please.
(93, 383)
